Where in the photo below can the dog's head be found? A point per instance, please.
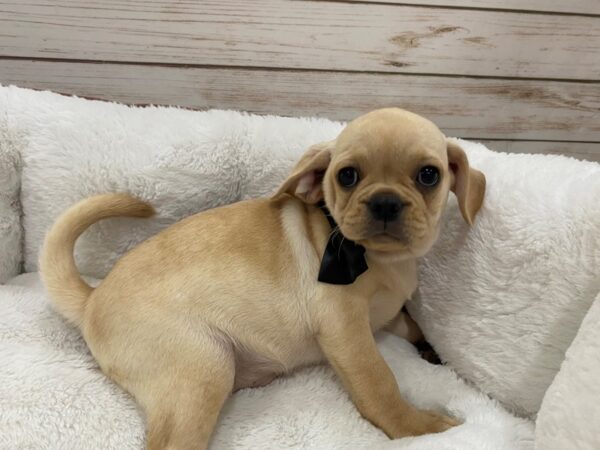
(386, 179)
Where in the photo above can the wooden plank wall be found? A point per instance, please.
(519, 75)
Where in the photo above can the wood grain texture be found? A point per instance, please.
(467, 107)
(560, 6)
(305, 35)
(581, 150)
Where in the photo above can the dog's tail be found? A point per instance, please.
(67, 290)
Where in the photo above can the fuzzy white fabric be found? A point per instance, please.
(501, 302)
(10, 207)
(570, 413)
(52, 395)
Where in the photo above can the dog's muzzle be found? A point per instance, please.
(385, 207)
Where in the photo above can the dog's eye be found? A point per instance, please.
(428, 176)
(348, 177)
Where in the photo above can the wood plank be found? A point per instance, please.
(467, 107)
(558, 6)
(581, 150)
(305, 35)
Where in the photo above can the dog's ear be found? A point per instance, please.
(468, 184)
(305, 180)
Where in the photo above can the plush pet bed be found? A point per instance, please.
(501, 301)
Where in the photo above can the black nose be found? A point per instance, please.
(385, 207)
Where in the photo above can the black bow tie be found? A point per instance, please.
(343, 260)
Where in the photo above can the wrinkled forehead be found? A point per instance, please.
(393, 140)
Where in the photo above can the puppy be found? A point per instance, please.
(232, 297)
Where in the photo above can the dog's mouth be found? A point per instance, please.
(385, 241)
(387, 232)
(378, 235)
(389, 237)
(384, 236)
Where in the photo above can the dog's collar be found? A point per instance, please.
(343, 260)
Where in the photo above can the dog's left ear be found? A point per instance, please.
(468, 184)
(307, 176)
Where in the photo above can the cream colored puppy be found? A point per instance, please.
(231, 298)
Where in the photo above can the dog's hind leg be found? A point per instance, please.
(182, 405)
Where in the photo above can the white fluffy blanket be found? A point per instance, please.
(500, 301)
(570, 414)
(52, 395)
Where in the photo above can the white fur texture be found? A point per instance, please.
(570, 413)
(52, 395)
(11, 142)
(500, 302)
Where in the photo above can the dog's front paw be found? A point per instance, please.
(425, 422)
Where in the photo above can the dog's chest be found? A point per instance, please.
(384, 306)
(397, 284)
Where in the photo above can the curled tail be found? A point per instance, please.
(67, 290)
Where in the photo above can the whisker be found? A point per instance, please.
(333, 233)
(340, 248)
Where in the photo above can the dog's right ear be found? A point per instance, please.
(307, 176)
